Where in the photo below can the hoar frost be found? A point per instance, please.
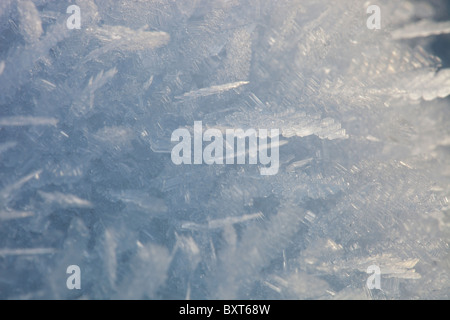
(86, 177)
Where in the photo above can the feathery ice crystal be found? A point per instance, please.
(86, 179)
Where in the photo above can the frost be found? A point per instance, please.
(423, 28)
(427, 85)
(110, 255)
(86, 176)
(123, 38)
(30, 21)
(12, 214)
(7, 145)
(27, 121)
(291, 123)
(9, 189)
(64, 200)
(221, 223)
(213, 90)
(26, 252)
(150, 267)
(20, 60)
(86, 99)
(141, 201)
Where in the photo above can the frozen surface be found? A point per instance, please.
(86, 176)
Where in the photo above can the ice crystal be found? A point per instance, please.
(86, 117)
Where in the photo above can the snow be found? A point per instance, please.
(86, 178)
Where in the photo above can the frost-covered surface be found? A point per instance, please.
(86, 176)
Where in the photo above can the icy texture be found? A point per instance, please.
(86, 177)
(423, 28)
